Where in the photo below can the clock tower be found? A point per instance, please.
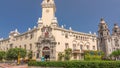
(48, 13)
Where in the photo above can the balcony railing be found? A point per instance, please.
(78, 51)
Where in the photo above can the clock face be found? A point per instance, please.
(47, 10)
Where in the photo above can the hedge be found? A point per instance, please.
(77, 64)
(93, 55)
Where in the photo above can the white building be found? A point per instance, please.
(48, 38)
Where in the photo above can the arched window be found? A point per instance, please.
(74, 46)
(88, 47)
(66, 45)
(81, 47)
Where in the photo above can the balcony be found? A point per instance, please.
(78, 51)
(81, 51)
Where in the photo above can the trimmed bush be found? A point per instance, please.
(93, 55)
(77, 64)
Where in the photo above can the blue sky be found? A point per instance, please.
(81, 15)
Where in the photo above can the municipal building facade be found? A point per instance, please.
(48, 38)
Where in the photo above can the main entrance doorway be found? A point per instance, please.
(46, 53)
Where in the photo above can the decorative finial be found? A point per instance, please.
(34, 27)
(1, 39)
(62, 26)
(29, 29)
(90, 32)
(94, 33)
(16, 30)
(102, 20)
(70, 28)
(116, 26)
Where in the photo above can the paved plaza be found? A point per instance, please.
(12, 66)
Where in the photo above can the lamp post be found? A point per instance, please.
(18, 58)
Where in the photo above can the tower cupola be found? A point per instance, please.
(48, 12)
(102, 20)
(103, 28)
(115, 30)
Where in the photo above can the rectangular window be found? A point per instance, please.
(81, 47)
(93, 47)
(66, 35)
(58, 43)
(66, 45)
(76, 37)
(30, 46)
(20, 46)
(26, 36)
(88, 47)
(31, 36)
(11, 45)
(93, 40)
(24, 46)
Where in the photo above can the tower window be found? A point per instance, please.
(107, 33)
(115, 31)
(101, 27)
(101, 34)
(48, 0)
(105, 27)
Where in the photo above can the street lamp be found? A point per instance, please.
(18, 58)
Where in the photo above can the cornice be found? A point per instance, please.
(75, 32)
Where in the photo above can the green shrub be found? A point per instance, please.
(77, 64)
(12, 54)
(93, 55)
(2, 55)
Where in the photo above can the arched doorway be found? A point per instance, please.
(46, 53)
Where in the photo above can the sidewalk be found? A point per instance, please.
(10, 66)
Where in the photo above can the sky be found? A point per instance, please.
(81, 15)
